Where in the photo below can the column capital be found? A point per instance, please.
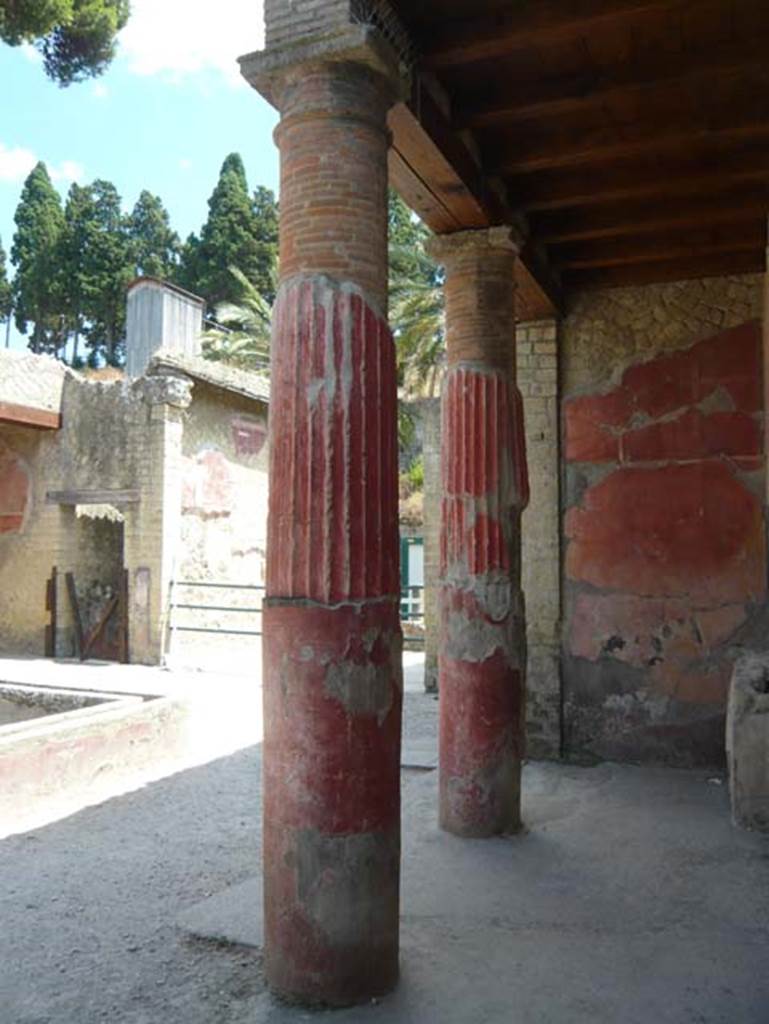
(444, 248)
(268, 70)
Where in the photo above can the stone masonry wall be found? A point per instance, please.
(113, 436)
(665, 554)
(537, 373)
(224, 519)
(287, 21)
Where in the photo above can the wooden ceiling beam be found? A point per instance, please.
(572, 189)
(589, 90)
(520, 159)
(528, 25)
(436, 174)
(649, 218)
(686, 269)
(628, 251)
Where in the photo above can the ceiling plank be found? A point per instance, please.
(435, 173)
(564, 153)
(628, 251)
(588, 90)
(687, 177)
(648, 218)
(686, 269)
(529, 25)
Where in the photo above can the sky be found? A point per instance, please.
(163, 116)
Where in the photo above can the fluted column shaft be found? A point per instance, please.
(482, 654)
(332, 638)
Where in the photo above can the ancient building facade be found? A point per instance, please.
(147, 476)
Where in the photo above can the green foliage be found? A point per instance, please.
(416, 474)
(155, 245)
(244, 336)
(6, 292)
(241, 231)
(416, 304)
(107, 269)
(78, 214)
(75, 37)
(35, 252)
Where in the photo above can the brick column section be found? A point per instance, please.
(482, 654)
(332, 637)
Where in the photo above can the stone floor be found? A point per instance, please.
(630, 898)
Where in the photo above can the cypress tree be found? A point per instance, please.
(106, 270)
(39, 223)
(155, 246)
(240, 232)
(6, 296)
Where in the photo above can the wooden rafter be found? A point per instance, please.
(609, 185)
(529, 25)
(641, 218)
(581, 92)
(679, 269)
(661, 248)
(651, 142)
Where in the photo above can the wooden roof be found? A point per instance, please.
(629, 137)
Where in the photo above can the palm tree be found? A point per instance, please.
(416, 305)
(241, 334)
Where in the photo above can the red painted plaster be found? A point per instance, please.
(14, 492)
(691, 530)
(666, 555)
(333, 529)
(485, 486)
(208, 488)
(669, 408)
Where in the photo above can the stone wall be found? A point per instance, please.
(537, 373)
(118, 436)
(665, 555)
(287, 22)
(28, 549)
(224, 496)
(223, 535)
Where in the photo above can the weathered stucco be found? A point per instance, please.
(665, 555)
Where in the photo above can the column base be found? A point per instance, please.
(332, 713)
(480, 759)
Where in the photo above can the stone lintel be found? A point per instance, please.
(444, 247)
(265, 70)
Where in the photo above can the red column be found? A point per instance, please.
(332, 638)
(482, 655)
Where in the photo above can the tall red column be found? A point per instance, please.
(332, 637)
(482, 652)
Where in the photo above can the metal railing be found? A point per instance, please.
(227, 609)
(411, 607)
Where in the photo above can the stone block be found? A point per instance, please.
(747, 742)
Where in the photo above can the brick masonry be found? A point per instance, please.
(537, 372)
(663, 497)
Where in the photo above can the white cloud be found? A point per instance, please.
(67, 171)
(16, 162)
(99, 90)
(33, 55)
(179, 38)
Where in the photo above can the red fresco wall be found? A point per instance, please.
(14, 491)
(665, 555)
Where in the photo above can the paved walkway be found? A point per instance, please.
(630, 899)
